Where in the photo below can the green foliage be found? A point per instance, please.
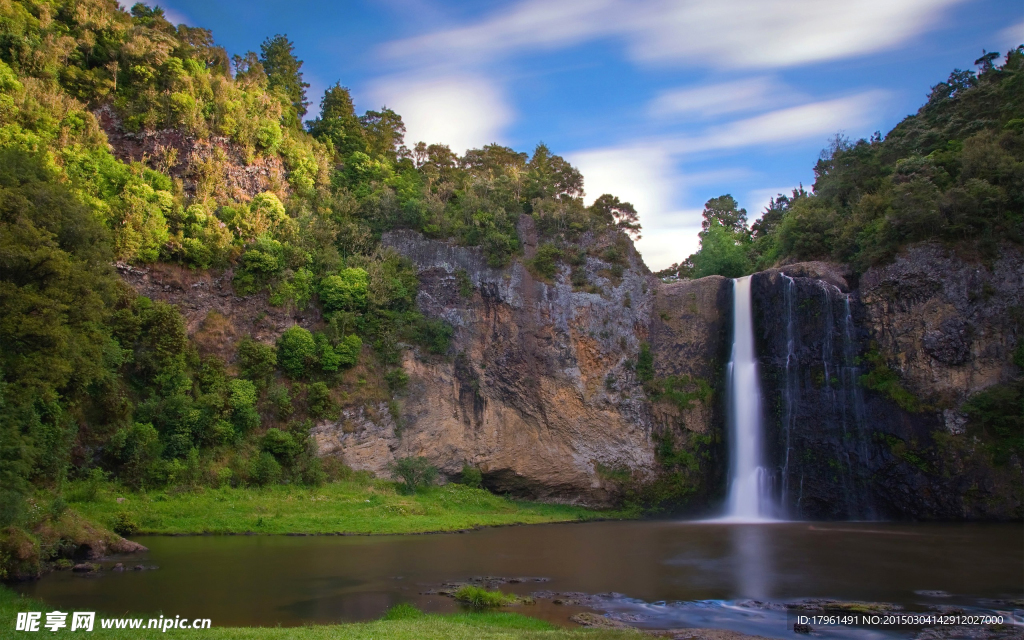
(402, 611)
(481, 598)
(319, 401)
(257, 361)
(682, 391)
(282, 445)
(414, 472)
(435, 335)
(283, 73)
(645, 363)
(296, 351)
(997, 416)
(135, 450)
(264, 470)
(544, 264)
(471, 476)
(464, 284)
(886, 381)
(397, 380)
(346, 291)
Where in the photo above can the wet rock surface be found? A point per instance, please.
(945, 326)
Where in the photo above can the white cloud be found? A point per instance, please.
(730, 33)
(1012, 36)
(717, 99)
(788, 125)
(646, 177)
(462, 111)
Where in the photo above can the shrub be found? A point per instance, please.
(481, 598)
(296, 350)
(256, 360)
(319, 402)
(545, 263)
(397, 380)
(264, 470)
(136, 449)
(413, 472)
(281, 444)
(345, 291)
(471, 476)
(125, 524)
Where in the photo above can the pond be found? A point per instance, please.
(652, 573)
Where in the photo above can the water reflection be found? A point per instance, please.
(752, 560)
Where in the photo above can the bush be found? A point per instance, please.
(345, 291)
(256, 360)
(319, 402)
(264, 470)
(545, 263)
(281, 444)
(471, 476)
(125, 524)
(413, 472)
(296, 350)
(480, 598)
(397, 380)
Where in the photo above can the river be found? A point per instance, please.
(656, 573)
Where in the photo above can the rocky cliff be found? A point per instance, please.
(540, 389)
(545, 388)
(865, 385)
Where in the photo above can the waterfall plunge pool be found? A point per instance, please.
(653, 574)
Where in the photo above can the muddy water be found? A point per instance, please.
(654, 566)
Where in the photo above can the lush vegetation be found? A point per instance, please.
(952, 173)
(98, 383)
(402, 622)
(357, 504)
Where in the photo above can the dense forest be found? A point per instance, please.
(97, 381)
(953, 173)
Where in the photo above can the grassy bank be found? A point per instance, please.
(357, 506)
(409, 625)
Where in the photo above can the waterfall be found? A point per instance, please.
(749, 497)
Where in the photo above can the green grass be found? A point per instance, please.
(405, 624)
(361, 507)
(481, 598)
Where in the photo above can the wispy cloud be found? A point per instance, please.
(728, 33)
(463, 111)
(1012, 36)
(788, 125)
(724, 98)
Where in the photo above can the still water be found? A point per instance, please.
(654, 567)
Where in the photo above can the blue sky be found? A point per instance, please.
(662, 103)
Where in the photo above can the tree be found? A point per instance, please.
(774, 212)
(385, 133)
(722, 252)
(345, 291)
(338, 122)
(284, 72)
(296, 350)
(623, 215)
(725, 211)
(551, 176)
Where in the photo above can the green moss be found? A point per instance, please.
(887, 382)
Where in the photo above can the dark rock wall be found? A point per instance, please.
(839, 450)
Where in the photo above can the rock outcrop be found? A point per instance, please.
(215, 163)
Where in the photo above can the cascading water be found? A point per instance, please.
(749, 497)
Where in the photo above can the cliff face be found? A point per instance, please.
(539, 390)
(936, 329)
